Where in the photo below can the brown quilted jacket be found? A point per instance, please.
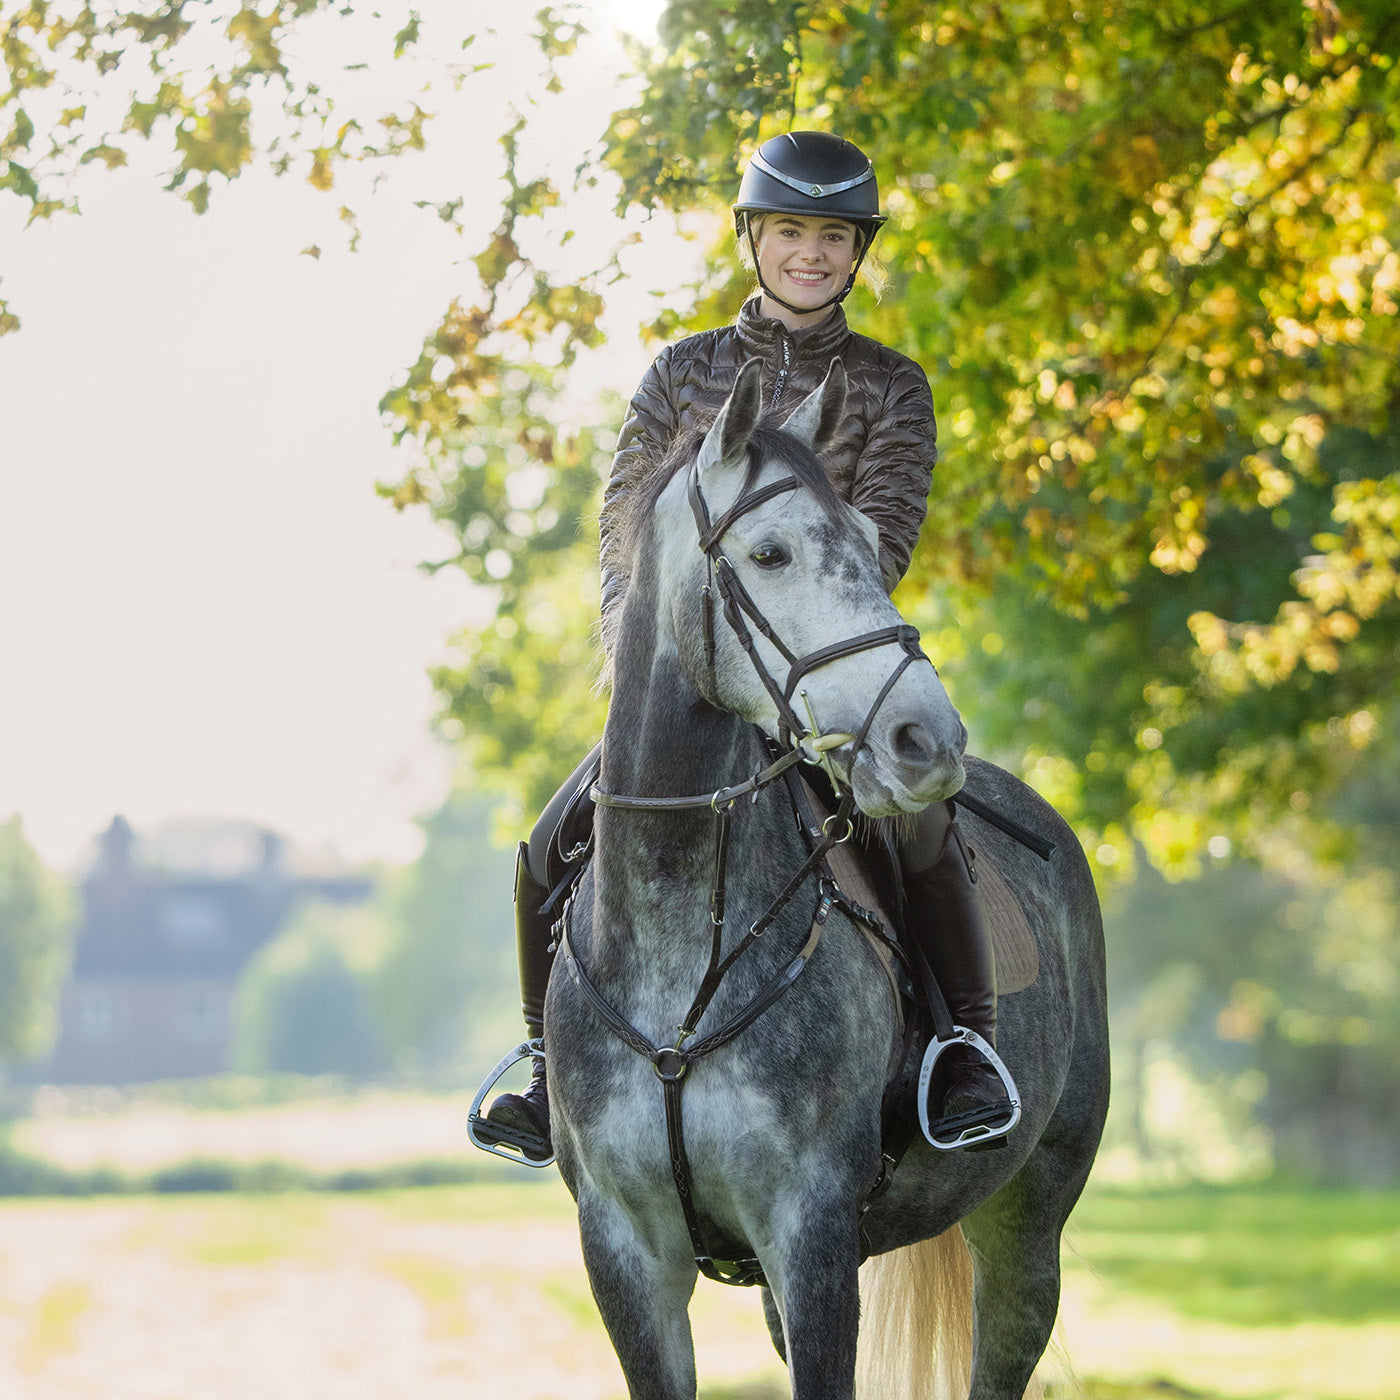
(882, 458)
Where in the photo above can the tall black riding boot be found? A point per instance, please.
(523, 1119)
(946, 922)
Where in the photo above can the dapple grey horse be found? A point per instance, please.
(781, 1130)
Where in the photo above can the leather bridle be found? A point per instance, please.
(740, 609)
(796, 743)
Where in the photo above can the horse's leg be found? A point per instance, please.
(774, 1319)
(817, 1297)
(643, 1295)
(1015, 1243)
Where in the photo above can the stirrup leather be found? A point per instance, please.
(509, 1143)
(949, 1134)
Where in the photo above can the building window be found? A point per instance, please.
(192, 922)
(201, 1016)
(98, 1008)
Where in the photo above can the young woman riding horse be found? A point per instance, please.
(807, 213)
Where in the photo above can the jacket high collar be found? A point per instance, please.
(762, 336)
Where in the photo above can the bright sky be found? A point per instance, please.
(204, 607)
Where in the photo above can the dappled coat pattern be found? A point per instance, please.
(881, 460)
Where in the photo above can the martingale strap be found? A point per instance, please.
(672, 1063)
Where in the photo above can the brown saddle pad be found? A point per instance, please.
(1017, 958)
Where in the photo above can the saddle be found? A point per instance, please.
(870, 873)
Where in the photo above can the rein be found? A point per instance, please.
(672, 1062)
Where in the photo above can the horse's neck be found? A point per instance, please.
(662, 738)
(654, 870)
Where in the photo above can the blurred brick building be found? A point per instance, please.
(160, 949)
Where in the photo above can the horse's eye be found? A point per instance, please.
(769, 556)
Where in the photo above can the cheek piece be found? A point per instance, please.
(803, 310)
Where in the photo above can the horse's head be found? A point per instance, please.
(780, 615)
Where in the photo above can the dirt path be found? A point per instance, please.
(420, 1296)
(330, 1133)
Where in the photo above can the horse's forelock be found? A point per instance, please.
(770, 442)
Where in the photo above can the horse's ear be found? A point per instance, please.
(817, 417)
(728, 439)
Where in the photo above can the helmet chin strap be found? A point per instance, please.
(802, 310)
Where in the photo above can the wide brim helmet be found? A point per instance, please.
(814, 174)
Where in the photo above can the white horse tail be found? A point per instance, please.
(916, 1322)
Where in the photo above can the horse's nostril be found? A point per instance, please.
(912, 743)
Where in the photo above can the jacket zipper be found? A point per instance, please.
(782, 374)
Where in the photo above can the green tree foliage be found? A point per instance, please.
(1278, 983)
(517, 491)
(215, 87)
(34, 947)
(1148, 254)
(1280, 993)
(516, 485)
(1149, 257)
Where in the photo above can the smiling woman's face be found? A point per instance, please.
(806, 261)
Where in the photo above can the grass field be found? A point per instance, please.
(1257, 1257)
(449, 1292)
(1237, 1292)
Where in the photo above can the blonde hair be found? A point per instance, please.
(872, 269)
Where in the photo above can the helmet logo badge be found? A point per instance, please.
(816, 190)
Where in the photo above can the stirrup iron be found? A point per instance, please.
(506, 1142)
(955, 1133)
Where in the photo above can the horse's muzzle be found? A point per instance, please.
(907, 774)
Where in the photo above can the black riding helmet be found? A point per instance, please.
(814, 173)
